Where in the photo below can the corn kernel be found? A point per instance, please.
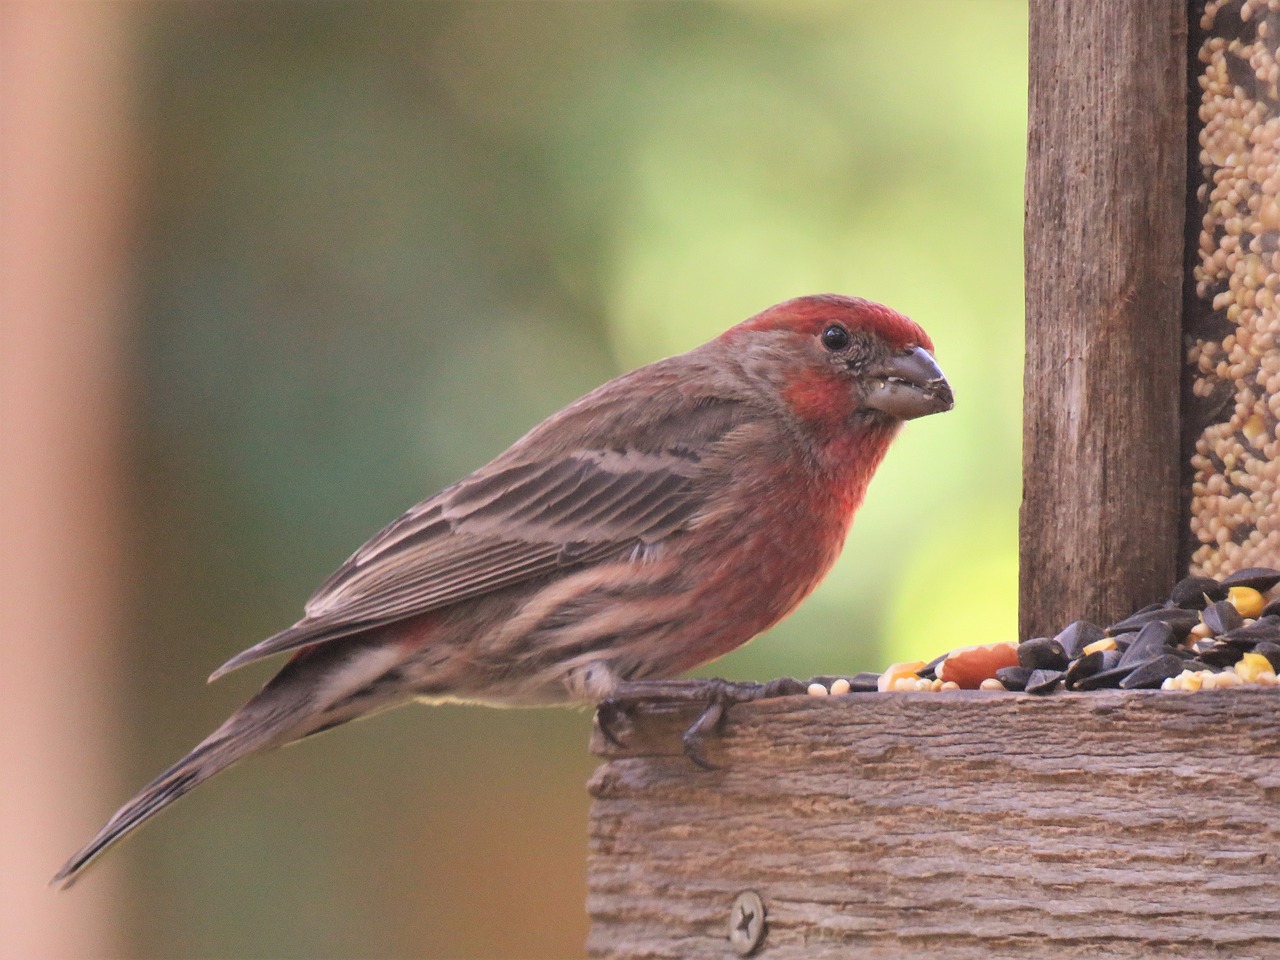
(899, 671)
(1247, 601)
(1106, 643)
(1252, 666)
(1255, 431)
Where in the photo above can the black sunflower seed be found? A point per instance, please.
(1014, 678)
(1179, 620)
(1153, 640)
(1110, 677)
(864, 682)
(1190, 592)
(1246, 637)
(1042, 653)
(1216, 654)
(1082, 667)
(1043, 681)
(1222, 617)
(930, 670)
(1153, 673)
(1076, 636)
(1261, 579)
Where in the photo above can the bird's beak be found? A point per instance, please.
(908, 385)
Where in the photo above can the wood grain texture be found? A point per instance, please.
(963, 825)
(1106, 174)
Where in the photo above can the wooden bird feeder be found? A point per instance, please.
(973, 824)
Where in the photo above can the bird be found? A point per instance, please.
(660, 521)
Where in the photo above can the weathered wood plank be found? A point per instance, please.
(959, 825)
(1106, 174)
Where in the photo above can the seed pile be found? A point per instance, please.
(1232, 355)
(1208, 634)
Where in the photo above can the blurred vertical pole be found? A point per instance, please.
(64, 205)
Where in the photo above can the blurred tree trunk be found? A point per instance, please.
(65, 149)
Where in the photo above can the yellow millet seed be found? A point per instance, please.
(839, 687)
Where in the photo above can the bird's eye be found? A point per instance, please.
(835, 338)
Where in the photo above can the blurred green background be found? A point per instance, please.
(381, 240)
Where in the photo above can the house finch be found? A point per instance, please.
(662, 520)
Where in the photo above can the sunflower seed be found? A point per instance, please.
(1153, 640)
(1222, 617)
(1043, 681)
(1261, 579)
(1190, 592)
(1077, 635)
(1179, 620)
(1111, 677)
(1082, 667)
(864, 682)
(1216, 654)
(1247, 636)
(1042, 653)
(1153, 673)
(1014, 678)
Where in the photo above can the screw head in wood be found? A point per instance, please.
(746, 923)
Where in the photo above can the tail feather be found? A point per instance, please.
(330, 686)
(235, 739)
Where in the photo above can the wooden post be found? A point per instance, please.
(1105, 195)
(961, 825)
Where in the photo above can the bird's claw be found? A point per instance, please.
(608, 713)
(718, 695)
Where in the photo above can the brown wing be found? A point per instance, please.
(509, 522)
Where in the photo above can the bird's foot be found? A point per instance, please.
(718, 695)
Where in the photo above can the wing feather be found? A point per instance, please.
(517, 519)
